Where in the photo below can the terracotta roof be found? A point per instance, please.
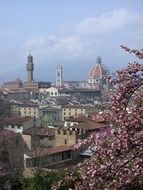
(5, 90)
(98, 117)
(47, 151)
(16, 120)
(40, 131)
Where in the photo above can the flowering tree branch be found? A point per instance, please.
(118, 151)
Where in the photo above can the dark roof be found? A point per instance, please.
(80, 90)
(77, 119)
(89, 125)
(24, 104)
(28, 105)
(75, 106)
(8, 137)
(47, 151)
(40, 131)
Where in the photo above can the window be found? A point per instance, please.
(17, 142)
(4, 156)
(66, 155)
(64, 132)
(59, 132)
(50, 138)
(64, 113)
(65, 141)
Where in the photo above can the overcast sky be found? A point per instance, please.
(67, 32)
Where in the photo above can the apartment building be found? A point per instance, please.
(72, 111)
(25, 109)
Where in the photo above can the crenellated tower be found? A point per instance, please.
(30, 68)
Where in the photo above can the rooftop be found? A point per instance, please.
(16, 120)
(40, 131)
(47, 151)
(89, 125)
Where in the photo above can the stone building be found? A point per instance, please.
(36, 137)
(59, 76)
(50, 114)
(11, 155)
(18, 124)
(65, 137)
(50, 157)
(30, 84)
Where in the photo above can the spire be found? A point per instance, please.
(99, 61)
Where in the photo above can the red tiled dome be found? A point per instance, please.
(98, 71)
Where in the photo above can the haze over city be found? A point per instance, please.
(70, 33)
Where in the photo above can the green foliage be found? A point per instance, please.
(41, 180)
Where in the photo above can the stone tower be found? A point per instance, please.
(59, 75)
(30, 68)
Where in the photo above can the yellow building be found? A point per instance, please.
(25, 110)
(72, 111)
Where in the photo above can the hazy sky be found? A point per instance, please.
(67, 32)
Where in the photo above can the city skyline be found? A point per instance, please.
(69, 33)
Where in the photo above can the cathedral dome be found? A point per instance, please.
(98, 71)
(17, 81)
